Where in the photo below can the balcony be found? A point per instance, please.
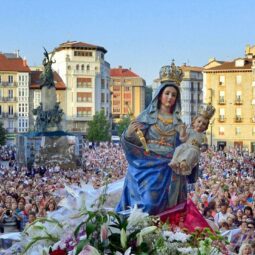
(85, 72)
(10, 99)
(8, 84)
(238, 119)
(8, 115)
(11, 115)
(12, 130)
(222, 118)
(222, 101)
(238, 101)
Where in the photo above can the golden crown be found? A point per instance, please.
(171, 73)
(207, 111)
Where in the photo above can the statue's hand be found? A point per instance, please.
(133, 127)
(183, 130)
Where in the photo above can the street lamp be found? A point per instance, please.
(211, 125)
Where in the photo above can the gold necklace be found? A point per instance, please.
(165, 121)
(164, 133)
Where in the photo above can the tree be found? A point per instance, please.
(2, 134)
(99, 128)
(123, 124)
(148, 95)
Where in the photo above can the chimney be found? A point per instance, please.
(120, 67)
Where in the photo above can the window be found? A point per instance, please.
(77, 67)
(222, 114)
(102, 98)
(222, 97)
(192, 86)
(0, 79)
(253, 131)
(84, 111)
(238, 115)
(116, 88)
(10, 93)
(10, 110)
(84, 82)
(126, 88)
(222, 80)
(84, 97)
(83, 53)
(88, 67)
(238, 95)
(238, 79)
(82, 67)
(221, 131)
(0, 109)
(10, 79)
(238, 130)
(102, 84)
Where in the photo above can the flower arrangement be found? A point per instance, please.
(93, 230)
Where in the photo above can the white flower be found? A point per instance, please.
(123, 238)
(178, 236)
(136, 216)
(127, 252)
(144, 232)
(89, 250)
(187, 250)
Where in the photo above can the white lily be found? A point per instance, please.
(123, 238)
(136, 216)
(89, 250)
(143, 232)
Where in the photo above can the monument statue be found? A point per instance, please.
(48, 113)
(49, 145)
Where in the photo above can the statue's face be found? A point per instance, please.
(168, 97)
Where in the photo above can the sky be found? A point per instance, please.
(139, 34)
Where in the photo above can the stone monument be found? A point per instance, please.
(49, 145)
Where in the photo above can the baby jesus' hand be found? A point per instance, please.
(183, 132)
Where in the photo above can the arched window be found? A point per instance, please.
(77, 67)
(88, 67)
(82, 67)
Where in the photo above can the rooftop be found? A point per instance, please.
(10, 62)
(79, 45)
(35, 80)
(122, 72)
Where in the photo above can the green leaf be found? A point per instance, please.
(90, 228)
(81, 245)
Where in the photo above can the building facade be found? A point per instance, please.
(14, 94)
(191, 92)
(128, 93)
(86, 74)
(35, 93)
(230, 87)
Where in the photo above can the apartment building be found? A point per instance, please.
(230, 87)
(191, 92)
(86, 74)
(14, 93)
(128, 93)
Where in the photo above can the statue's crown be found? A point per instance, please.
(207, 111)
(171, 73)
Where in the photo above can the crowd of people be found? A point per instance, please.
(26, 194)
(224, 192)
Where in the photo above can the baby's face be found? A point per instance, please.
(200, 124)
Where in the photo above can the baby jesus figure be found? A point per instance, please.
(186, 155)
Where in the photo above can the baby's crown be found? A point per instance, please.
(207, 111)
